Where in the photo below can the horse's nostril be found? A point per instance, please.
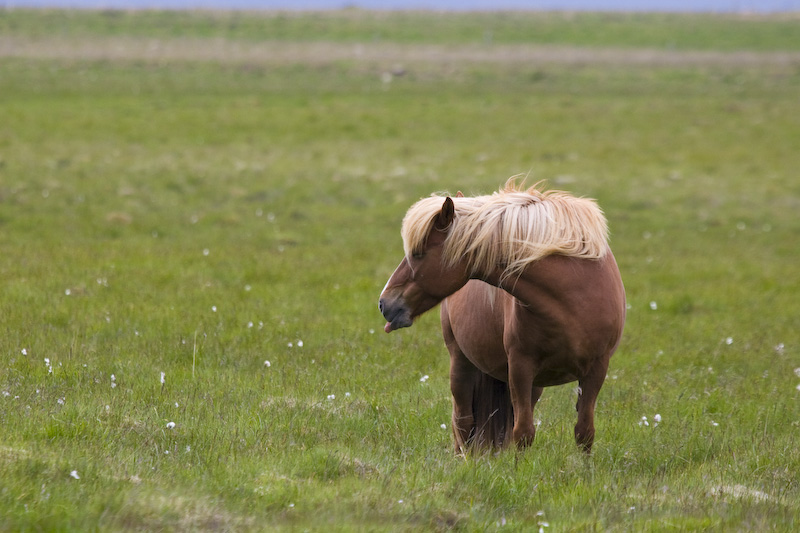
(380, 305)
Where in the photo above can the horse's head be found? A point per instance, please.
(422, 280)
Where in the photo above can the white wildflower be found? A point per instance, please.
(797, 371)
(653, 305)
(424, 378)
(163, 376)
(214, 308)
(170, 425)
(657, 418)
(74, 474)
(443, 426)
(24, 351)
(331, 396)
(267, 364)
(729, 341)
(299, 344)
(206, 251)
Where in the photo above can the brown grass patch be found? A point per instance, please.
(320, 53)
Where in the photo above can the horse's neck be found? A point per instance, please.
(559, 284)
(547, 275)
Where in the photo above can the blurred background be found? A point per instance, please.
(762, 6)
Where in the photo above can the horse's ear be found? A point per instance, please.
(459, 194)
(446, 215)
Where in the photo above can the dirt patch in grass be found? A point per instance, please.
(319, 53)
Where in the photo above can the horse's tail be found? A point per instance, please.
(492, 412)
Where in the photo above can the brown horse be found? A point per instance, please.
(531, 298)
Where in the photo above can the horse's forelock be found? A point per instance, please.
(418, 222)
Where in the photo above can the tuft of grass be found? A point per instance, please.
(202, 218)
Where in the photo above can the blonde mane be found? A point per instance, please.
(511, 228)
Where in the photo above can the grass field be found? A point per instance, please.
(199, 210)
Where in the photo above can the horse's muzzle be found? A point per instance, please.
(396, 314)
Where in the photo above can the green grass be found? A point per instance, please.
(195, 218)
(627, 30)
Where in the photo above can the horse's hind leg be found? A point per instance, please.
(587, 398)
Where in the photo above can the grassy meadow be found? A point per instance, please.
(193, 243)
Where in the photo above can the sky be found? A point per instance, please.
(603, 5)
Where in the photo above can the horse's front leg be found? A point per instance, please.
(587, 399)
(462, 386)
(523, 398)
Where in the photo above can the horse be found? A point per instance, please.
(531, 297)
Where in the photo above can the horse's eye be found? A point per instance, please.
(418, 255)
